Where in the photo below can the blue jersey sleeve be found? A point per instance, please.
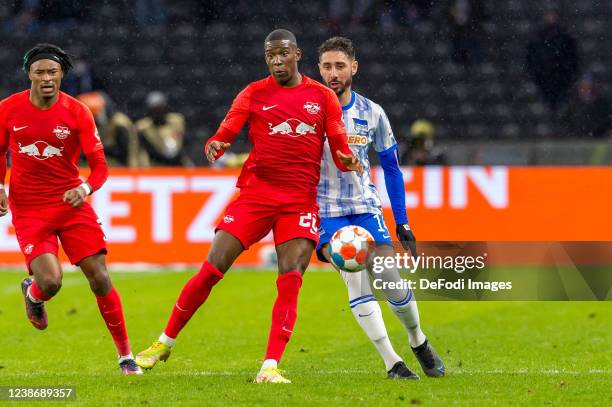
(394, 181)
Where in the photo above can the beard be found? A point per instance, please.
(343, 86)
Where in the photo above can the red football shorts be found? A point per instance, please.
(252, 215)
(78, 229)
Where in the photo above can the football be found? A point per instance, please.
(348, 248)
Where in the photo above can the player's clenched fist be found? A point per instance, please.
(215, 149)
(3, 202)
(75, 196)
(350, 161)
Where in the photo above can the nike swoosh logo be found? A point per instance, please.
(366, 315)
(386, 236)
(268, 107)
(19, 128)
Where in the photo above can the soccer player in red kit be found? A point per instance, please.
(45, 131)
(289, 116)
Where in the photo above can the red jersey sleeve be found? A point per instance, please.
(99, 169)
(333, 116)
(239, 112)
(4, 140)
(334, 128)
(88, 133)
(234, 120)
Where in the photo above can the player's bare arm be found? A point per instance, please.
(3, 202)
(350, 161)
(214, 148)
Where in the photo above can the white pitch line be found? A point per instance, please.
(547, 372)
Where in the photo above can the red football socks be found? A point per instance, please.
(112, 312)
(38, 294)
(284, 313)
(192, 296)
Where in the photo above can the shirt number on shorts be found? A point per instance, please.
(309, 220)
(381, 223)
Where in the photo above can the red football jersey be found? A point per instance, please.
(287, 127)
(45, 147)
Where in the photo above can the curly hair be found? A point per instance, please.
(341, 44)
(47, 51)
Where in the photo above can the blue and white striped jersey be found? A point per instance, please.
(348, 193)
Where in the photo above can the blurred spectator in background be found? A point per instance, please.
(116, 130)
(81, 79)
(419, 149)
(420, 9)
(162, 133)
(588, 113)
(402, 13)
(466, 19)
(343, 11)
(33, 15)
(552, 60)
(150, 13)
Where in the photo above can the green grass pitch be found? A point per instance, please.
(496, 353)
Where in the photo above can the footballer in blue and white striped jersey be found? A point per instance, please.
(351, 194)
(351, 199)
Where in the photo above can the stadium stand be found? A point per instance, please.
(202, 56)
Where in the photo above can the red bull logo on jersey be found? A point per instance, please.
(293, 128)
(41, 150)
(356, 139)
(61, 132)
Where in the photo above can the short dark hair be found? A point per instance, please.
(47, 51)
(341, 44)
(281, 35)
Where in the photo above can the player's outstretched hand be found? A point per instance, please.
(75, 196)
(3, 202)
(350, 161)
(406, 238)
(214, 148)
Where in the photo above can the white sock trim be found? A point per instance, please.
(126, 357)
(269, 363)
(166, 340)
(32, 298)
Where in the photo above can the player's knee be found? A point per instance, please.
(50, 285)
(100, 288)
(287, 265)
(294, 261)
(220, 261)
(224, 251)
(100, 282)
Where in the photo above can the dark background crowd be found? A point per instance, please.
(159, 75)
